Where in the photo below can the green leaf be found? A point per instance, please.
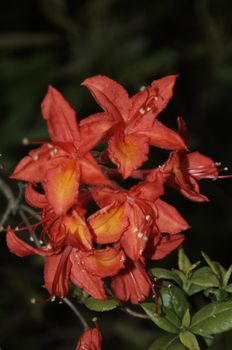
(229, 288)
(181, 276)
(193, 289)
(186, 319)
(160, 320)
(213, 318)
(174, 299)
(189, 340)
(167, 342)
(165, 274)
(205, 277)
(212, 265)
(184, 263)
(101, 305)
(226, 276)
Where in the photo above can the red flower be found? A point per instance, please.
(132, 283)
(63, 163)
(136, 125)
(91, 339)
(60, 266)
(127, 216)
(182, 170)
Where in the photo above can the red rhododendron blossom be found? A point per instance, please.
(132, 283)
(60, 266)
(127, 216)
(91, 339)
(136, 125)
(61, 164)
(182, 170)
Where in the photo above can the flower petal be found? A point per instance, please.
(90, 339)
(163, 137)
(132, 283)
(104, 196)
(201, 166)
(166, 245)
(111, 96)
(155, 97)
(108, 224)
(128, 152)
(79, 236)
(57, 270)
(34, 198)
(149, 191)
(168, 219)
(135, 237)
(91, 172)
(104, 262)
(61, 118)
(93, 129)
(92, 285)
(21, 248)
(62, 186)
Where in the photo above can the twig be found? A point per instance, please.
(76, 312)
(30, 230)
(12, 203)
(134, 313)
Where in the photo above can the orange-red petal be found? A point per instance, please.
(104, 262)
(128, 152)
(108, 224)
(62, 186)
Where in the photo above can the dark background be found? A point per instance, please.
(62, 42)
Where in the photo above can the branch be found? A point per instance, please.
(76, 312)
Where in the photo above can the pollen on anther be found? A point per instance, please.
(140, 235)
(25, 141)
(35, 157)
(40, 242)
(53, 152)
(33, 300)
(217, 163)
(142, 88)
(53, 298)
(16, 228)
(147, 217)
(148, 109)
(31, 239)
(145, 238)
(135, 229)
(142, 110)
(156, 98)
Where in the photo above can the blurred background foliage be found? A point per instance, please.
(61, 42)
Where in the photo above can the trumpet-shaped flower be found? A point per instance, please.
(136, 126)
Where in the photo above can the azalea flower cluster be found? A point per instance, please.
(65, 175)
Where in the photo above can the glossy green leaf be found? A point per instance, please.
(186, 319)
(184, 263)
(189, 340)
(174, 299)
(160, 320)
(227, 276)
(212, 265)
(205, 277)
(193, 289)
(101, 305)
(161, 273)
(167, 342)
(212, 319)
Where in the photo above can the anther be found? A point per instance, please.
(40, 242)
(142, 88)
(31, 239)
(217, 163)
(147, 217)
(145, 238)
(35, 157)
(32, 300)
(142, 110)
(140, 235)
(16, 228)
(156, 98)
(53, 298)
(53, 152)
(25, 141)
(135, 230)
(225, 169)
(49, 145)
(148, 109)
